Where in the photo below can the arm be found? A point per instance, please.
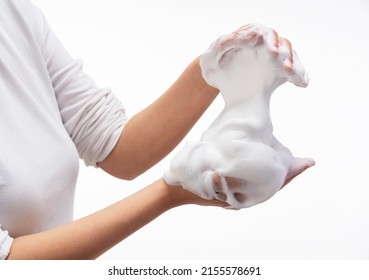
(93, 235)
(154, 132)
(89, 237)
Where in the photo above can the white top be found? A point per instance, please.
(50, 112)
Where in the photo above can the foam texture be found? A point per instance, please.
(238, 160)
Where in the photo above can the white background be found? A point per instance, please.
(138, 48)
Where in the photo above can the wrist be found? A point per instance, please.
(174, 196)
(203, 86)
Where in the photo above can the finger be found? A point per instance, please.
(275, 49)
(217, 182)
(272, 41)
(244, 27)
(230, 183)
(288, 180)
(297, 171)
(216, 202)
(276, 39)
(233, 182)
(225, 41)
(192, 198)
(250, 37)
(212, 202)
(288, 44)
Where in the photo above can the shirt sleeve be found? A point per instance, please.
(93, 117)
(5, 243)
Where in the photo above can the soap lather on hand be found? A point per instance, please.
(238, 160)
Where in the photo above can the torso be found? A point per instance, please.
(38, 160)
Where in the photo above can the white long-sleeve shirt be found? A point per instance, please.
(51, 113)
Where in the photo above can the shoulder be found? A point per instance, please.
(17, 6)
(23, 11)
(22, 17)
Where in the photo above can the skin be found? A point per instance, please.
(89, 237)
(147, 138)
(161, 125)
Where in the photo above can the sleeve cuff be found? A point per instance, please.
(5, 244)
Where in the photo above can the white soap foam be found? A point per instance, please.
(238, 160)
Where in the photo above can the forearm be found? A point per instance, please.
(154, 132)
(91, 236)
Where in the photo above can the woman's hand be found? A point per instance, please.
(251, 36)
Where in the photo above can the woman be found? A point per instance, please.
(51, 113)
